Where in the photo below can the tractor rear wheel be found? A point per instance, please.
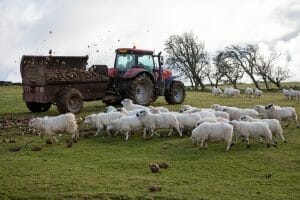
(38, 107)
(141, 90)
(176, 93)
(69, 100)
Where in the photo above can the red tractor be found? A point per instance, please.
(66, 82)
(138, 75)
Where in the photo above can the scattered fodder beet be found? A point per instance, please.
(54, 74)
(154, 167)
(36, 148)
(154, 188)
(15, 122)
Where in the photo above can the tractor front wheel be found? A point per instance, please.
(69, 100)
(141, 90)
(176, 93)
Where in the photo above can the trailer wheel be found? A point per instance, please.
(141, 90)
(38, 107)
(176, 93)
(69, 100)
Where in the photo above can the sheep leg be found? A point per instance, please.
(170, 133)
(108, 133)
(116, 133)
(248, 142)
(98, 130)
(205, 144)
(127, 135)
(229, 145)
(283, 139)
(201, 144)
(56, 140)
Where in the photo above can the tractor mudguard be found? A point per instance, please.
(168, 82)
(135, 71)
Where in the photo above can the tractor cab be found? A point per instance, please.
(127, 59)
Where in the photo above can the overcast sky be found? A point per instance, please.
(70, 27)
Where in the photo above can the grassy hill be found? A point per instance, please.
(106, 167)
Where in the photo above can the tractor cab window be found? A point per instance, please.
(146, 62)
(125, 61)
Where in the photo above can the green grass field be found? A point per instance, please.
(106, 167)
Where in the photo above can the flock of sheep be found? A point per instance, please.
(232, 92)
(218, 123)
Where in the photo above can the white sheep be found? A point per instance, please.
(262, 113)
(51, 125)
(129, 112)
(286, 93)
(258, 93)
(216, 91)
(159, 108)
(101, 120)
(282, 113)
(294, 94)
(246, 130)
(218, 131)
(187, 121)
(248, 92)
(274, 125)
(159, 121)
(129, 105)
(222, 114)
(188, 108)
(218, 107)
(230, 92)
(212, 120)
(109, 109)
(236, 113)
(126, 125)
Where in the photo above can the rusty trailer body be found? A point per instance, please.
(61, 80)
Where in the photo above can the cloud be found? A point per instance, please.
(96, 28)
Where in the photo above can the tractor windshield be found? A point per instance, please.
(125, 61)
(146, 62)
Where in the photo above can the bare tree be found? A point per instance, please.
(186, 55)
(271, 71)
(246, 58)
(227, 68)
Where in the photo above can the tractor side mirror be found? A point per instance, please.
(161, 60)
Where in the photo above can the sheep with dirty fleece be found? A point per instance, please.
(126, 125)
(101, 120)
(207, 131)
(159, 121)
(51, 125)
(273, 124)
(282, 114)
(247, 130)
